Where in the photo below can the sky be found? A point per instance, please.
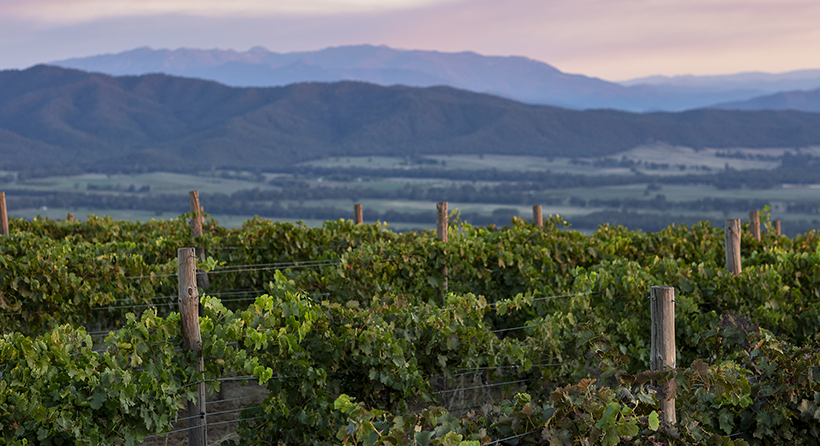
(610, 39)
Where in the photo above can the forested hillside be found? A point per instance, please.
(52, 117)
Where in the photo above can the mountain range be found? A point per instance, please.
(513, 77)
(52, 118)
(788, 100)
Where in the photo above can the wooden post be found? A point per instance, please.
(196, 209)
(357, 214)
(732, 246)
(69, 217)
(442, 230)
(537, 216)
(754, 224)
(442, 221)
(662, 356)
(192, 338)
(4, 216)
(196, 231)
(777, 227)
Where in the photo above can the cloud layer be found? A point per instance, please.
(613, 39)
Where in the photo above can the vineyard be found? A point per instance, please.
(353, 334)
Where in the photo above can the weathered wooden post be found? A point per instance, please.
(192, 338)
(777, 227)
(69, 217)
(196, 209)
(358, 217)
(4, 216)
(196, 232)
(537, 216)
(732, 245)
(442, 230)
(662, 356)
(754, 224)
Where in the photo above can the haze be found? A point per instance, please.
(611, 39)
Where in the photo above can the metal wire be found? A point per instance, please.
(513, 329)
(237, 378)
(510, 438)
(239, 299)
(306, 262)
(205, 293)
(271, 268)
(257, 267)
(201, 426)
(149, 277)
(481, 387)
(125, 299)
(206, 414)
(480, 369)
(552, 297)
(236, 399)
(227, 379)
(160, 304)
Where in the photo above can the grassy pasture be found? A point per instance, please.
(693, 161)
(159, 183)
(644, 159)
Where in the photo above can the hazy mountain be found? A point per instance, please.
(789, 100)
(52, 117)
(513, 77)
(752, 81)
(736, 89)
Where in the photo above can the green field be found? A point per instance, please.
(158, 182)
(692, 160)
(305, 196)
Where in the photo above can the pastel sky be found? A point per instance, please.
(611, 39)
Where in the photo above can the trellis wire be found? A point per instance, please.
(198, 427)
(511, 438)
(481, 369)
(216, 413)
(305, 262)
(441, 392)
(175, 296)
(236, 399)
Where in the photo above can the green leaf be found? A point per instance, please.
(343, 403)
(611, 438)
(654, 421)
(423, 438)
(726, 420)
(97, 399)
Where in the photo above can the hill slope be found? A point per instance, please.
(789, 100)
(51, 117)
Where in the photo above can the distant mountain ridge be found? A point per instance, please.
(513, 77)
(52, 117)
(787, 100)
(752, 81)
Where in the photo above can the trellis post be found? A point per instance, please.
(732, 246)
(358, 217)
(662, 355)
(4, 216)
(442, 231)
(196, 232)
(192, 340)
(754, 224)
